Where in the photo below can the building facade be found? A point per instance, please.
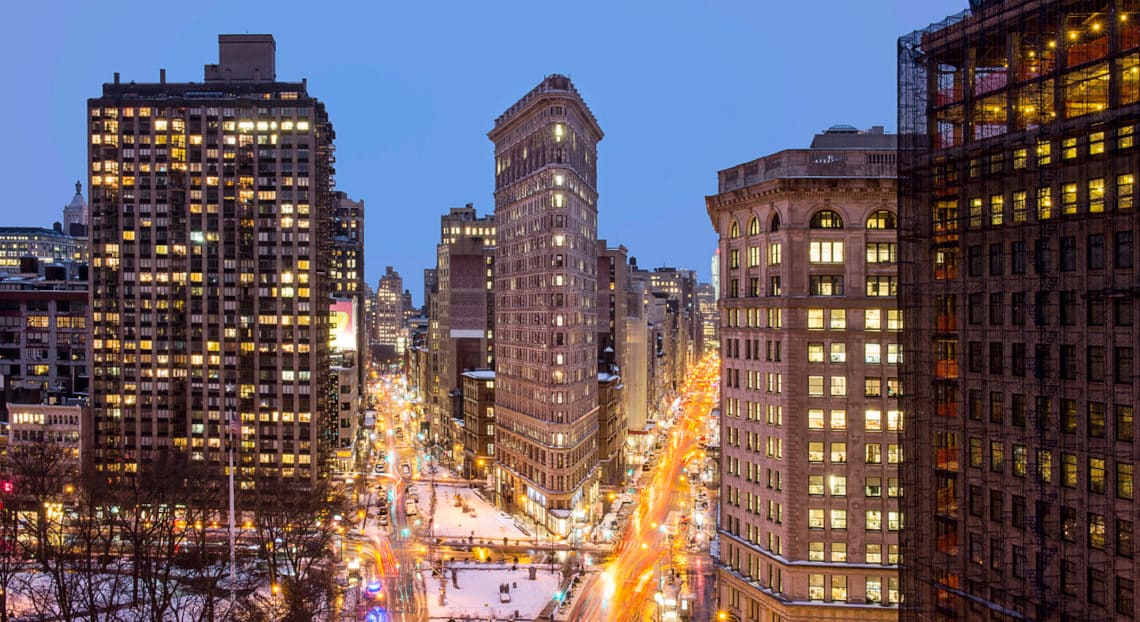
(810, 450)
(545, 286)
(210, 209)
(478, 425)
(44, 337)
(1017, 190)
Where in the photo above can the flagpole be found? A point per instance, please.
(233, 565)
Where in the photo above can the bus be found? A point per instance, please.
(370, 418)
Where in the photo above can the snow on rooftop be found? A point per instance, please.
(459, 511)
(477, 596)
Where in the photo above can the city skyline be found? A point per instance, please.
(430, 111)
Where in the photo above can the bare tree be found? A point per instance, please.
(295, 531)
(40, 474)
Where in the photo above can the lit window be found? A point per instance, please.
(815, 419)
(874, 420)
(815, 352)
(838, 352)
(815, 319)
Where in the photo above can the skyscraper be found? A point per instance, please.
(1017, 192)
(809, 511)
(210, 208)
(390, 313)
(545, 358)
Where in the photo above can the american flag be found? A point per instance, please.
(234, 427)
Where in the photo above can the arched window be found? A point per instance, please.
(775, 223)
(734, 230)
(754, 226)
(826, 219)
(882, 219)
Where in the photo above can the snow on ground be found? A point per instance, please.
(478, 593)
(459, 511)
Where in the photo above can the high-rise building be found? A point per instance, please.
(710, 319)
(1018, 124)
(460, 335)
(715, 272)
(809, 512)
(389, 313)
(429, 289)
(613, 324)
(210, 213)
(546, 380)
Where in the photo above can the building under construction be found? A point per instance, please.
(1017, 171)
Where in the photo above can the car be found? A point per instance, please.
(406, 469)
(379, 468)
(646, 467)
(383, 520)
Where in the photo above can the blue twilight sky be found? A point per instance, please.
(681, 89)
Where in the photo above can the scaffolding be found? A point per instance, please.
(1017, 170)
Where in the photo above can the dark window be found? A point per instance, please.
(1124, 598)
(1040, 308)
(1068, 362)
(996, 312)
(997, 357)
(1094, 311)
(974, 309)
(1017, 359)
(1041, 256)
(1017, 308)
(754, 287)
(1122, 365)
(1122, 257)
(1094, 254)
(1018, 510)
(1068, 259)
(1096, 362)
(1041, 360)
(1068, 308)
(997, 259)
(974, 356)
(997, 505)
(975, 404)
(974, 260)
(1017, 257)
(1122, 311)
(975, 501)
(774, 288)
(1017, 409)
(1096, 591)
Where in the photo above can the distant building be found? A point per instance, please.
(75, 216)
(710, 318)
(46, 246)
(545, 287)
(390, 314)
(810, 418)
(44, 337)
(715, 271)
